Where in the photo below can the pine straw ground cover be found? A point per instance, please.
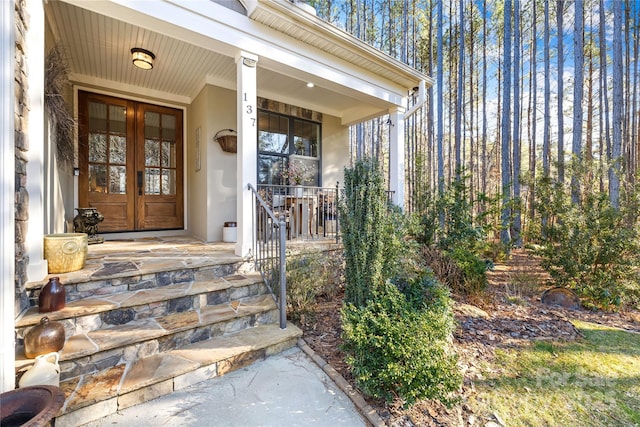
(524, 364)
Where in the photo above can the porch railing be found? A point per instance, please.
(269, 251)
(309, 213)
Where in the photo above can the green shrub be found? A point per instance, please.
(363, 222)
(464, 272)
(398, 344)
(474, 271)
(459, 229)
(310, 276)
(590, 246)
(453, 250)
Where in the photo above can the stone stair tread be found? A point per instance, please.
(155, 368)
(161, 261)
(148, 296)
(129, 333)
(221, 348)
(204, 355)
(136, 331)
(248, 306)
(101, 304)
(72, 309)
(78, 346)
(176, 322)
(93, 388)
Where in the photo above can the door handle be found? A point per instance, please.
(139, 183)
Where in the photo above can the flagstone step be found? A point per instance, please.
(93, 396)
(140, 325)
(147, 301)
(120, 276)
(107, 347)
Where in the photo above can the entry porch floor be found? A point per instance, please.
(146, 255)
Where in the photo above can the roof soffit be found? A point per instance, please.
(285, 17)
(212, 27)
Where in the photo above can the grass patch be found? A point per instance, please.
(591, 382)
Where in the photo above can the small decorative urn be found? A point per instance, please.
(46, 337)
(87, 221)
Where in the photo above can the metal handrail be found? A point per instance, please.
(269, 251)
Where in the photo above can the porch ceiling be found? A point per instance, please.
(98, 47)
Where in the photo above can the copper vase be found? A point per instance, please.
(52, 297)
(44, 338)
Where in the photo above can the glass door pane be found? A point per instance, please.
(160, 153)
(107, 140)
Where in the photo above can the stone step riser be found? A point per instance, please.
(130, 354)
(132, 282)
(181, 303)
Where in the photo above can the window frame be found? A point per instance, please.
(291, 149)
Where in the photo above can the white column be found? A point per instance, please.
(37, 268)
(247, 158)
(7, 198)
(396, 155)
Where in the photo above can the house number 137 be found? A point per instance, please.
(249, 110)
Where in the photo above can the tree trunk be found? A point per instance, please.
(560, 21)
(484, 101)
(459, 101)
(506, 116)
(604, 87)
(440, 101)
(588, 151)
(578, 62)
(533, 96)
(517, 219)
(618, 100)
(546, 145)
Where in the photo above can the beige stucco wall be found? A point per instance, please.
(222, 165)
(196, 212)
(335, 151)
(212, 189)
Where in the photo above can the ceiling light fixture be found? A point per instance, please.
(142, 58)
(310, 84)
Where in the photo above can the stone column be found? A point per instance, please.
(247, 157)
(396, 155)
(7, 197)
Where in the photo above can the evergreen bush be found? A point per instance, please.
(363, 211)
(460, 241)
(590, 247)
(398, 344)
(311, 275)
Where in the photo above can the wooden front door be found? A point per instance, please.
(130, 160)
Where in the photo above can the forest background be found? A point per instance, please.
(529, 138)
(531, 100)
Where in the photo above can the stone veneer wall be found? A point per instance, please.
(289, 110)
(22, 146)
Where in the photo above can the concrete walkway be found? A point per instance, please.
(287, 389)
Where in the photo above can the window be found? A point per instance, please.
(283, 140)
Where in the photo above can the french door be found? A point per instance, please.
(130, 160)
